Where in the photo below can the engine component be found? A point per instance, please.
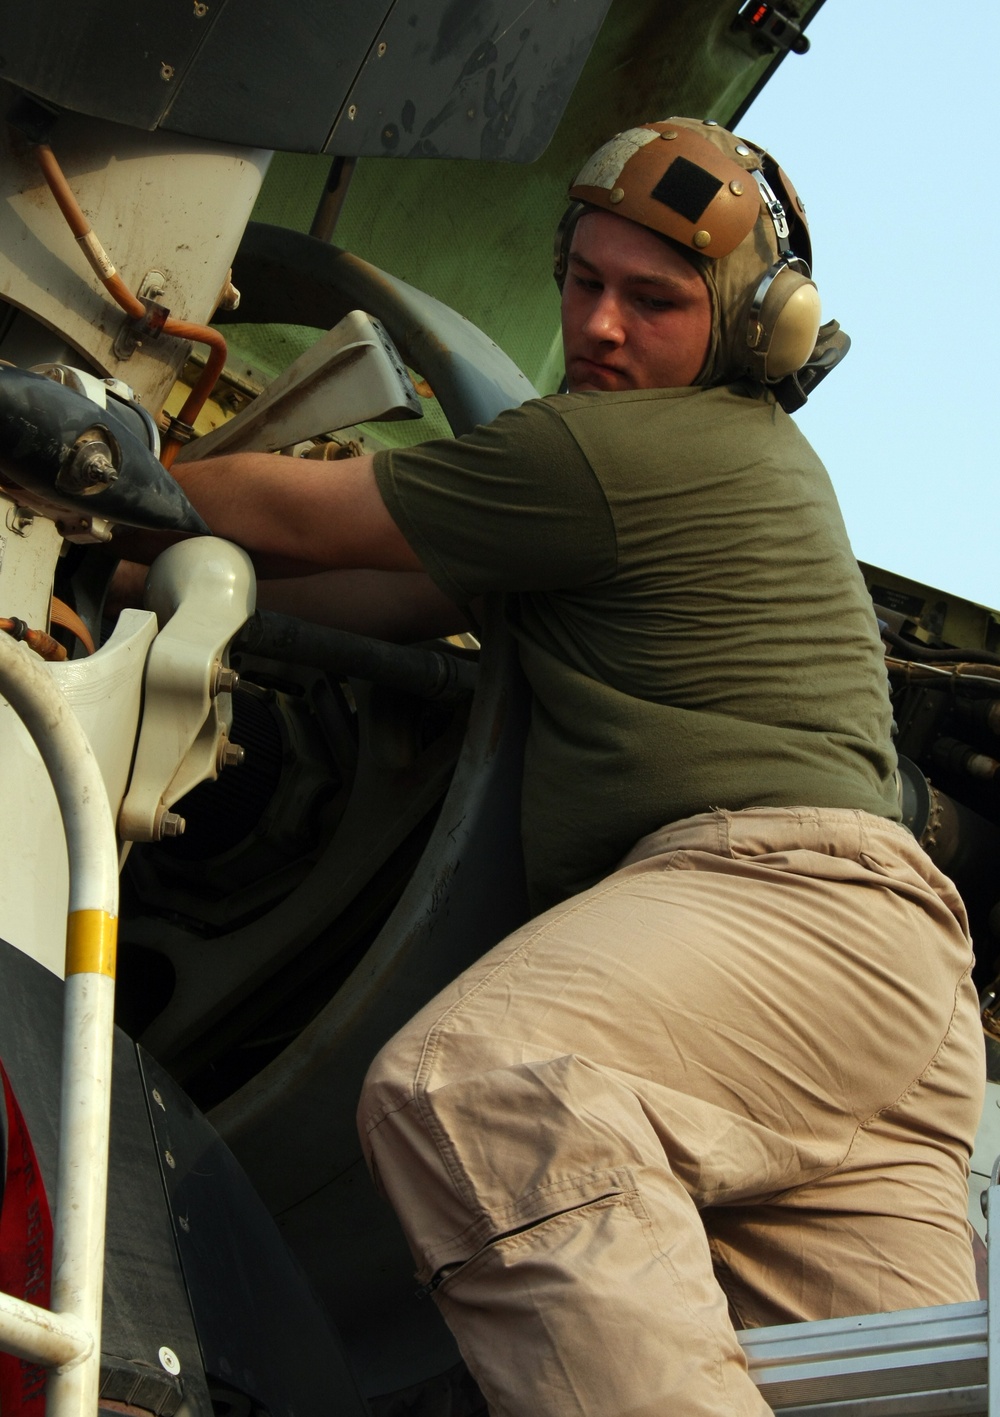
(45, 428)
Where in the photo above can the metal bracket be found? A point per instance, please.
(201, 592)
(350, 375)
(133, 332)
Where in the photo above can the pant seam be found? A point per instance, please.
(638, 1208)
(929, 1066)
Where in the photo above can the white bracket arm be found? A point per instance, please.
(201, 591)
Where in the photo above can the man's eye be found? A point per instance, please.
(653, 302)
(586, 283)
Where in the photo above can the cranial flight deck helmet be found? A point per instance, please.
(727, 205)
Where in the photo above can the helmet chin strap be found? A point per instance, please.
(775, 210)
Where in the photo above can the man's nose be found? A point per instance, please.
(604, 322)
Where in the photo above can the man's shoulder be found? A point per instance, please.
(683, 405)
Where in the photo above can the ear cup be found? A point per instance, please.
(784, 319)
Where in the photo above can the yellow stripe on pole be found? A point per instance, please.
(91, 938)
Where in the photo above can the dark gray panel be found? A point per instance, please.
(111, 59)
(447, 78)
(278, 77)
(145, 1301)
(262, 1333)
(468, 78)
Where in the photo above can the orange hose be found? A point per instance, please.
(131, 304)
(37, 640)
(62, 614)
(207, 379)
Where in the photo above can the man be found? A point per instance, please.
(733, 1072)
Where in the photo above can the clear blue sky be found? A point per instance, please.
(887, 129)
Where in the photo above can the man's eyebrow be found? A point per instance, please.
(665, 282)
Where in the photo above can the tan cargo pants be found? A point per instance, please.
(738, 1082)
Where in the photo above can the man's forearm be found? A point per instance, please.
(298, 513)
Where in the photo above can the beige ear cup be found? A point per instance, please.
(784, 320)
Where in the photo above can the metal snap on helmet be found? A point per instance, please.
(727, 205)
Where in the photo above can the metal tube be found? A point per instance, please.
(41, 1336)
(88, 1019)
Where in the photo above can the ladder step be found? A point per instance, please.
(916, 1363)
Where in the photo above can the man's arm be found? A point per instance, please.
(288, 511)
(402, 606)
(295, 517)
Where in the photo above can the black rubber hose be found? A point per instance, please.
(922, 654)
(425, 673)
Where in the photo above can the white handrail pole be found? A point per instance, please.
(88, 1019)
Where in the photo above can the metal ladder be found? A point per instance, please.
(917, 1363)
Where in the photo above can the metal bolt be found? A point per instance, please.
(97, 468)
(20, 520)
(168, 1157)
(158, 1099)
(230, 297)
(352, 112)
(166, 72)
(711, 122)
(381, 49)
(200, 10)
(184, 1223)
(225, 680)
(742, 149)
(170, 1361)
(702, 238)
(736, 188)
(90, 466)
(170, 824)
(616, 195)
(670, 133)
(231, 755)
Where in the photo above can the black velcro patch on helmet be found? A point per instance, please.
(686, 188)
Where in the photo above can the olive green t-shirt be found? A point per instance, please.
(688, 611)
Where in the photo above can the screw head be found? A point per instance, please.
(616, 195)
(701, 238)
(169, 1361)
